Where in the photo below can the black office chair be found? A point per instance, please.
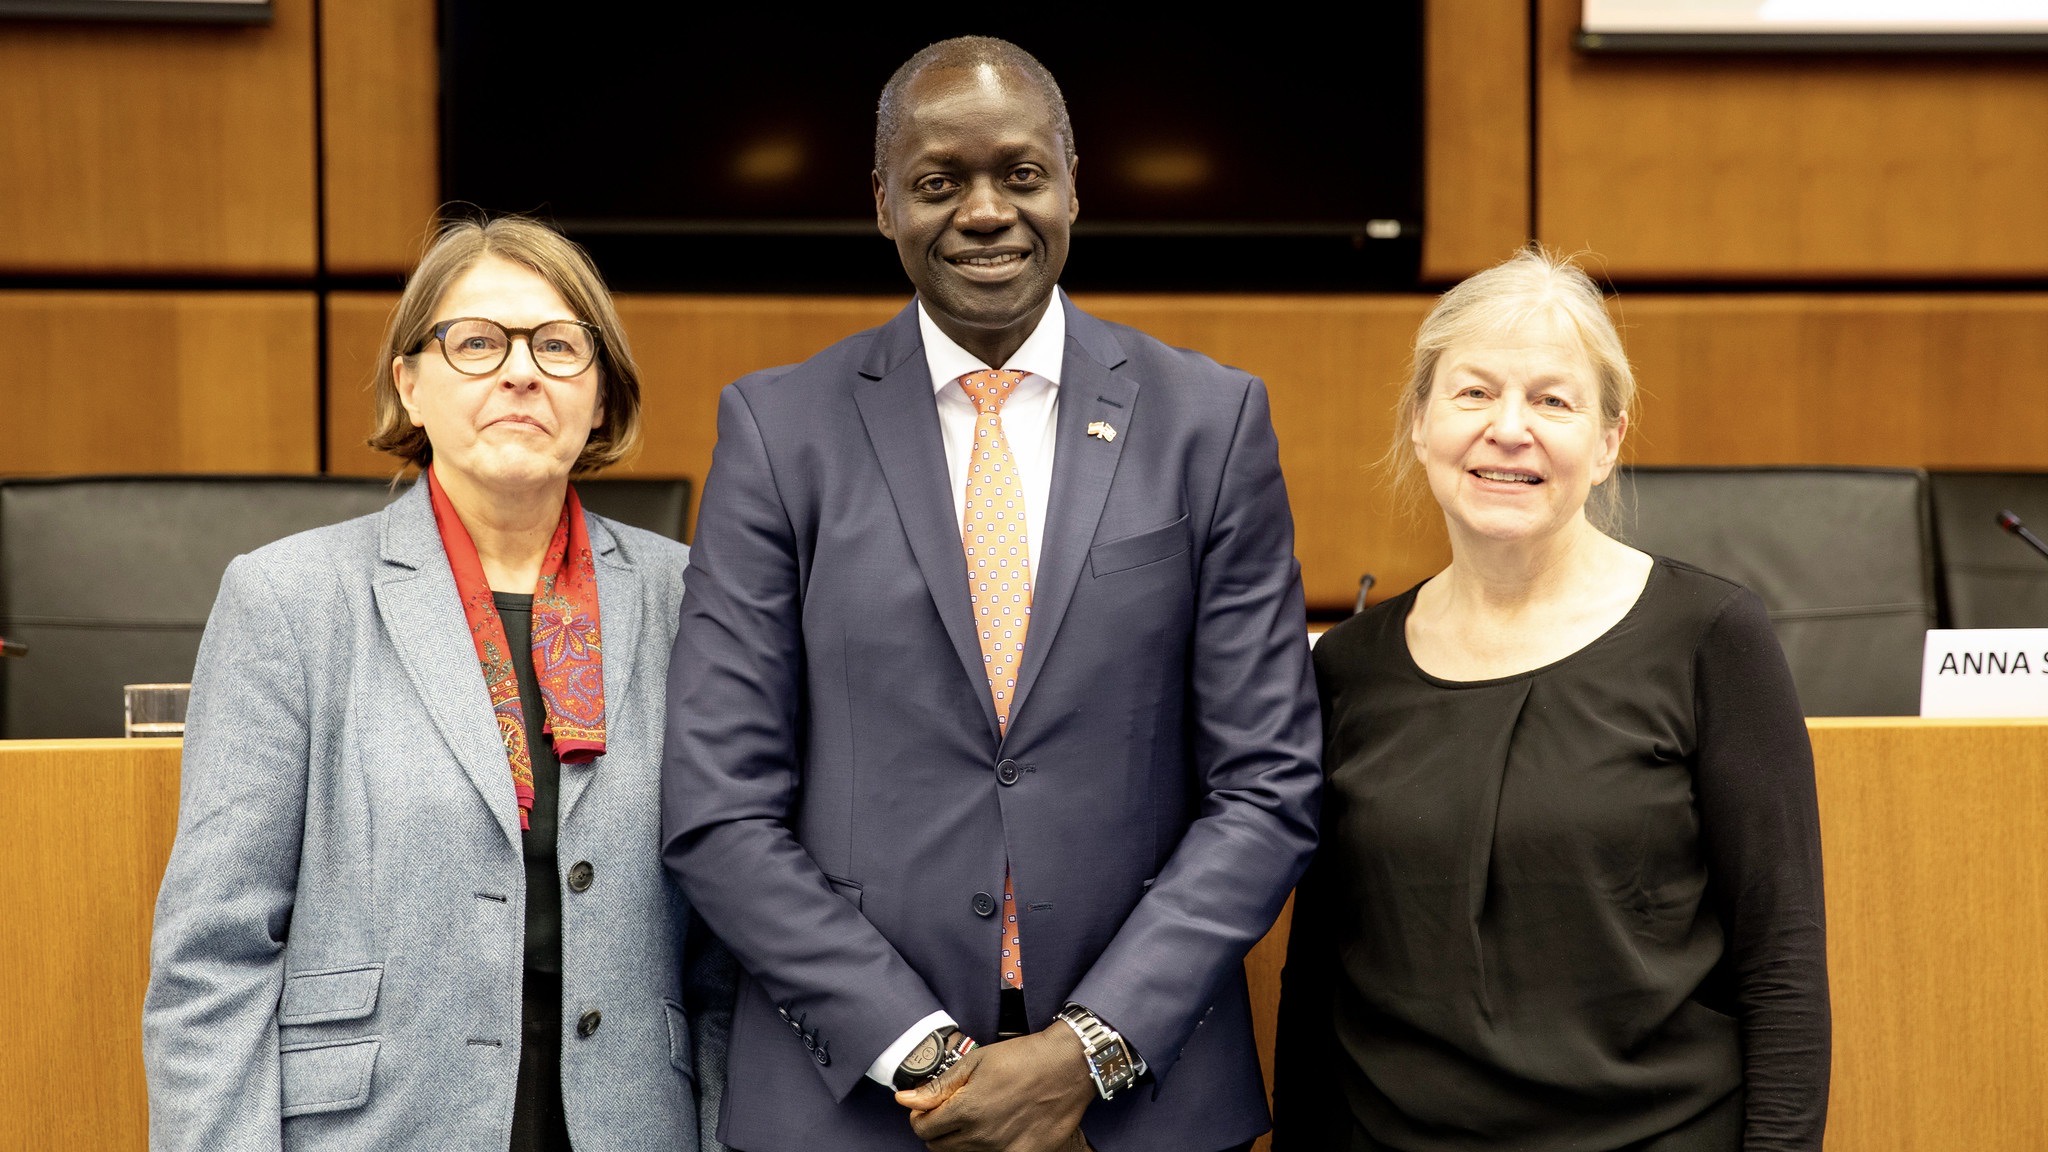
(1989, 578)
(1842, 557)
(108, 579)
(660, 506)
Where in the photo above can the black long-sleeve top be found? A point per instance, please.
(1573, 908)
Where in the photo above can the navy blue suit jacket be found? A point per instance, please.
(836, 801)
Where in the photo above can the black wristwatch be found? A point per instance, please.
(932, 1056)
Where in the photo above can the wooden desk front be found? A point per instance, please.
(1936, 842)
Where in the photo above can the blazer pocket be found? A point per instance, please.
(681, 1050)
(1137, 551)
(847, 888)
(330, 994)
(328, 1077)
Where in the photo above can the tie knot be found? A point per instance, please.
(990, 388)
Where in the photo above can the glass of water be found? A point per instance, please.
(155, 709)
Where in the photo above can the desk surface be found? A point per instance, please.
(1935, 834)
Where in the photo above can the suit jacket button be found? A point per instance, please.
(984, 904)
(823, 1057)
(580, 876)
(1007, 772)
(588, 1022)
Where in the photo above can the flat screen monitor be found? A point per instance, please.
(140, 11)
(735, 155)
(1814, 25)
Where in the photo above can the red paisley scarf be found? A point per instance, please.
(567, 653)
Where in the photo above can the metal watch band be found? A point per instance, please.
(1109, 1058)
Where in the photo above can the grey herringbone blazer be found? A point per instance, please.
(338, 945)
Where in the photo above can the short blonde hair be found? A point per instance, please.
(1533, 282)
(457, 248)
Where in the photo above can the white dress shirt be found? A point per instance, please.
(1030, 418)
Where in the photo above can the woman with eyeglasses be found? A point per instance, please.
(415, 899)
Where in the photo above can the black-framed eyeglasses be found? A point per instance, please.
(475, 346)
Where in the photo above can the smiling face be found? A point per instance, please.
(1511, 434)
(512, 431)
(979, 197)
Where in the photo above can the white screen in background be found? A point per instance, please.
(1783, 16)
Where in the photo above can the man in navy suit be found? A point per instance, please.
(1053, 804)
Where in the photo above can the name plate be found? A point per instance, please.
(1985, 672)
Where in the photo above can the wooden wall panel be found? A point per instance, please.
(1936, 381)
(86, 828)
(691, 347)
(688, 348)
(160, 382)
(158, 148)
(1262, 969)
(1476, 135)
(355, 341)
(1911, 380)
(380, 90)
(1333, 367)
(1791, 166)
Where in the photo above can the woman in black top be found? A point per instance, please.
(1569, 892)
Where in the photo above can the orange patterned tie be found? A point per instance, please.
(998, 580)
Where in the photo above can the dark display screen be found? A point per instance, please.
(1213, 155)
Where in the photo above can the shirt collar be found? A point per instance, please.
(1039, 355)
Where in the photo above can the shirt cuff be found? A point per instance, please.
(883, 1070)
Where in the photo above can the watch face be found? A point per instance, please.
(924, 1055)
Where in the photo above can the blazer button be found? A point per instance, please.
(588, 1022)
(580, 876)
(1007, 772)
(984, 904)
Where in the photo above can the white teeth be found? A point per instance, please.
(1510, 477)
(991, 261)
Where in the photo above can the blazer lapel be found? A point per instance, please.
(422, 613)
(1082, 468)
(895, 400)
(618, 616)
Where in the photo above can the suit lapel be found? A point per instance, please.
(1082, 468)
(895, 400)
(422, 613)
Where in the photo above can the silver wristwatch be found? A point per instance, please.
(1111, 1063)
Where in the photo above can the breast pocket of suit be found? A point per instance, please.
(1144, 549)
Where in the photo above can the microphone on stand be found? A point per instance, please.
(2011, 523)
(1365, 584)
(12, 647)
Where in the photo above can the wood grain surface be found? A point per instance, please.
(85, 830)
(1911, 380)
(1935, 836)
(355, 341)
(159, 382)
(380, 92)
(158, 148)
(1716, 166)
(1475, 135)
